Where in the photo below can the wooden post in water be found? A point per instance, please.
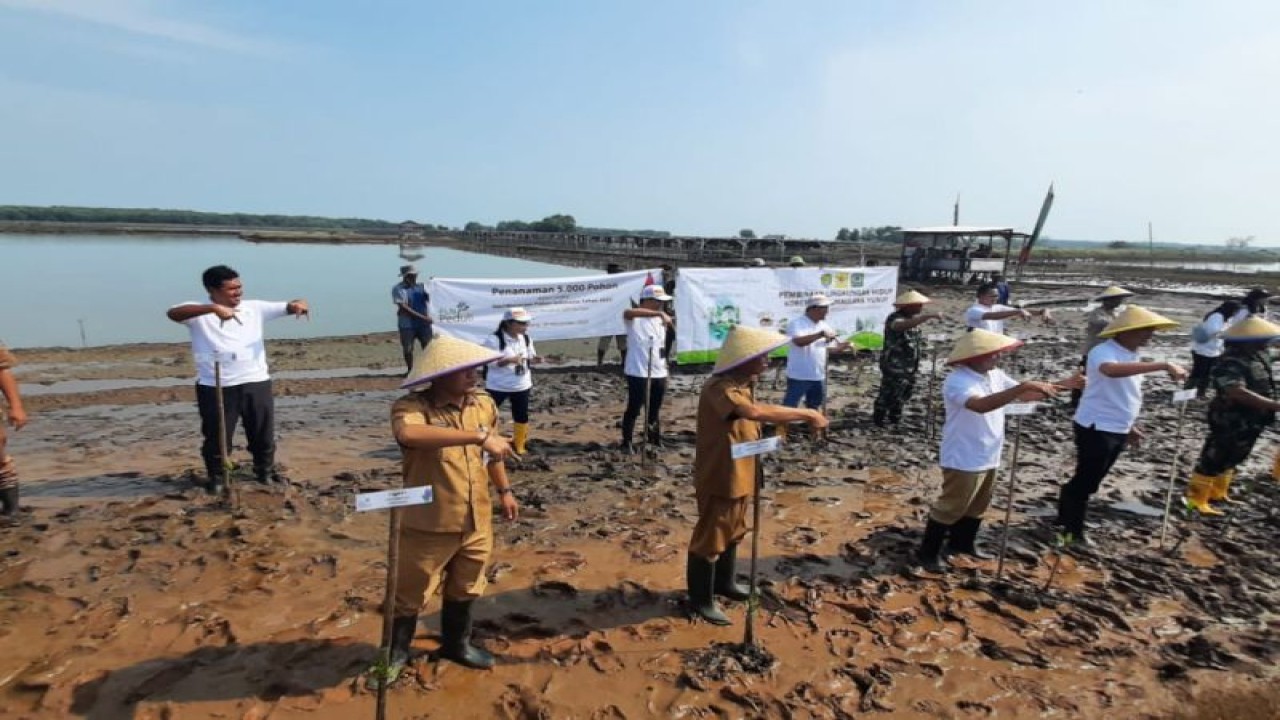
(388, 610)
(749, 635)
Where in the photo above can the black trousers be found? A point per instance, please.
(251, 402)
(635, 402)
(519, 403)
(1096, 451)
(1201, 370)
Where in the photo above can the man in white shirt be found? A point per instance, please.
(1107, 418)
(227, 331)
(989, 315)
(811, 339)
(645, 366)
(975, 394)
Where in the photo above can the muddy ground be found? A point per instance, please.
(127, 593)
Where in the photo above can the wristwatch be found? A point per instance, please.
(506, 491)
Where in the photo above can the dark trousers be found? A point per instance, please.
(1096, 451)
(519, 403)
(251, 402)
(635, 401)
(1227, 445)
(1201, 369)
(895, 390)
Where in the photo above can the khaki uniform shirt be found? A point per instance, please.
(7, 361)
(715, 472)
(457, 475)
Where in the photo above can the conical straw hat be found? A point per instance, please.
(444, 355)
(1136, 317)
(1115, 291)
(1252, 329)
(911, 297)
(745, 344)
(978, 343)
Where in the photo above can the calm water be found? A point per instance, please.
(120, 286)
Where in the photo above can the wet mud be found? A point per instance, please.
(125, 592)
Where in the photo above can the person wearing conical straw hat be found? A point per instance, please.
(511, 377)
(900, 358)
(1207, 345)
(449, 440)
(796, 261)
(1110, 303)
(724, 488)
(1244, 405)
(811, 339)
(1106, 420)
(975, 394)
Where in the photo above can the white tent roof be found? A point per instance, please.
(959, 230)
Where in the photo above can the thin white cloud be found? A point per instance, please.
(147, 18)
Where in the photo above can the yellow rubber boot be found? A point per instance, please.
(1198, 490)
(522, 437)
(1275, 468)
(1220, 486)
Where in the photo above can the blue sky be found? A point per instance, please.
(695, 116)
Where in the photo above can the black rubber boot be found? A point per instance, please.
(726, 584)
(455, 631)
(216, 483)
(654, 434)
(402, 632)
(700, 576)
(930, 553)
(9, 502)
(628, 432)
(964, 535)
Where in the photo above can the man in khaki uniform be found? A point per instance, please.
(724, 487)
(17, 417)
(448, 436)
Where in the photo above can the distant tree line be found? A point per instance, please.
(143, 216)
(558, 223)
(882, 234)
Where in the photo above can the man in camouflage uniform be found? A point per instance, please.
(17, 417)
(900, 358)
(1244, 404)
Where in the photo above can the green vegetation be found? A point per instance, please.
(152, 216)
(882, 234)
(559, 223)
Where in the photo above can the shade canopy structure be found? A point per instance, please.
(958, 253)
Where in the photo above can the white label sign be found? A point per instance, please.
(1184, 395)
(1026, 408)
(938, 337)
(755, 447)
(393, 498)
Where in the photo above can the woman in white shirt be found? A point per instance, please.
(510, 377)
(1206, 343)
(1107, 418)
(975, 394)
(986, 314)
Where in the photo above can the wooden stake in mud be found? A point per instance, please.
(749, 635)
(1018, 410)
(754, 448)
(931, 409)
(1180, 397)
(393, 499)
(224, 455)
(388, 608)
(648, 388)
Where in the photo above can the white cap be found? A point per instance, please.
(517, 314)
(654, 292)
(818, 300)
(757, 262)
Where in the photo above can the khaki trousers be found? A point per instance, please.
(451, 562)
(721, 522)
(964, 494)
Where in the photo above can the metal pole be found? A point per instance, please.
(1013, 483)
(224, 456)
(933, 383)
(749, 635)
(1173, 474)
(648, 383)
(388, 609)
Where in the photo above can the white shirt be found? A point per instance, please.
(973, 317)
(1214, 325)
(646, 338)
(808, 362)
(505, 378)
(238, 345)
(972, 441)
(1110, 404)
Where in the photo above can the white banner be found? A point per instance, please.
(709, 301)
(563, 308)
